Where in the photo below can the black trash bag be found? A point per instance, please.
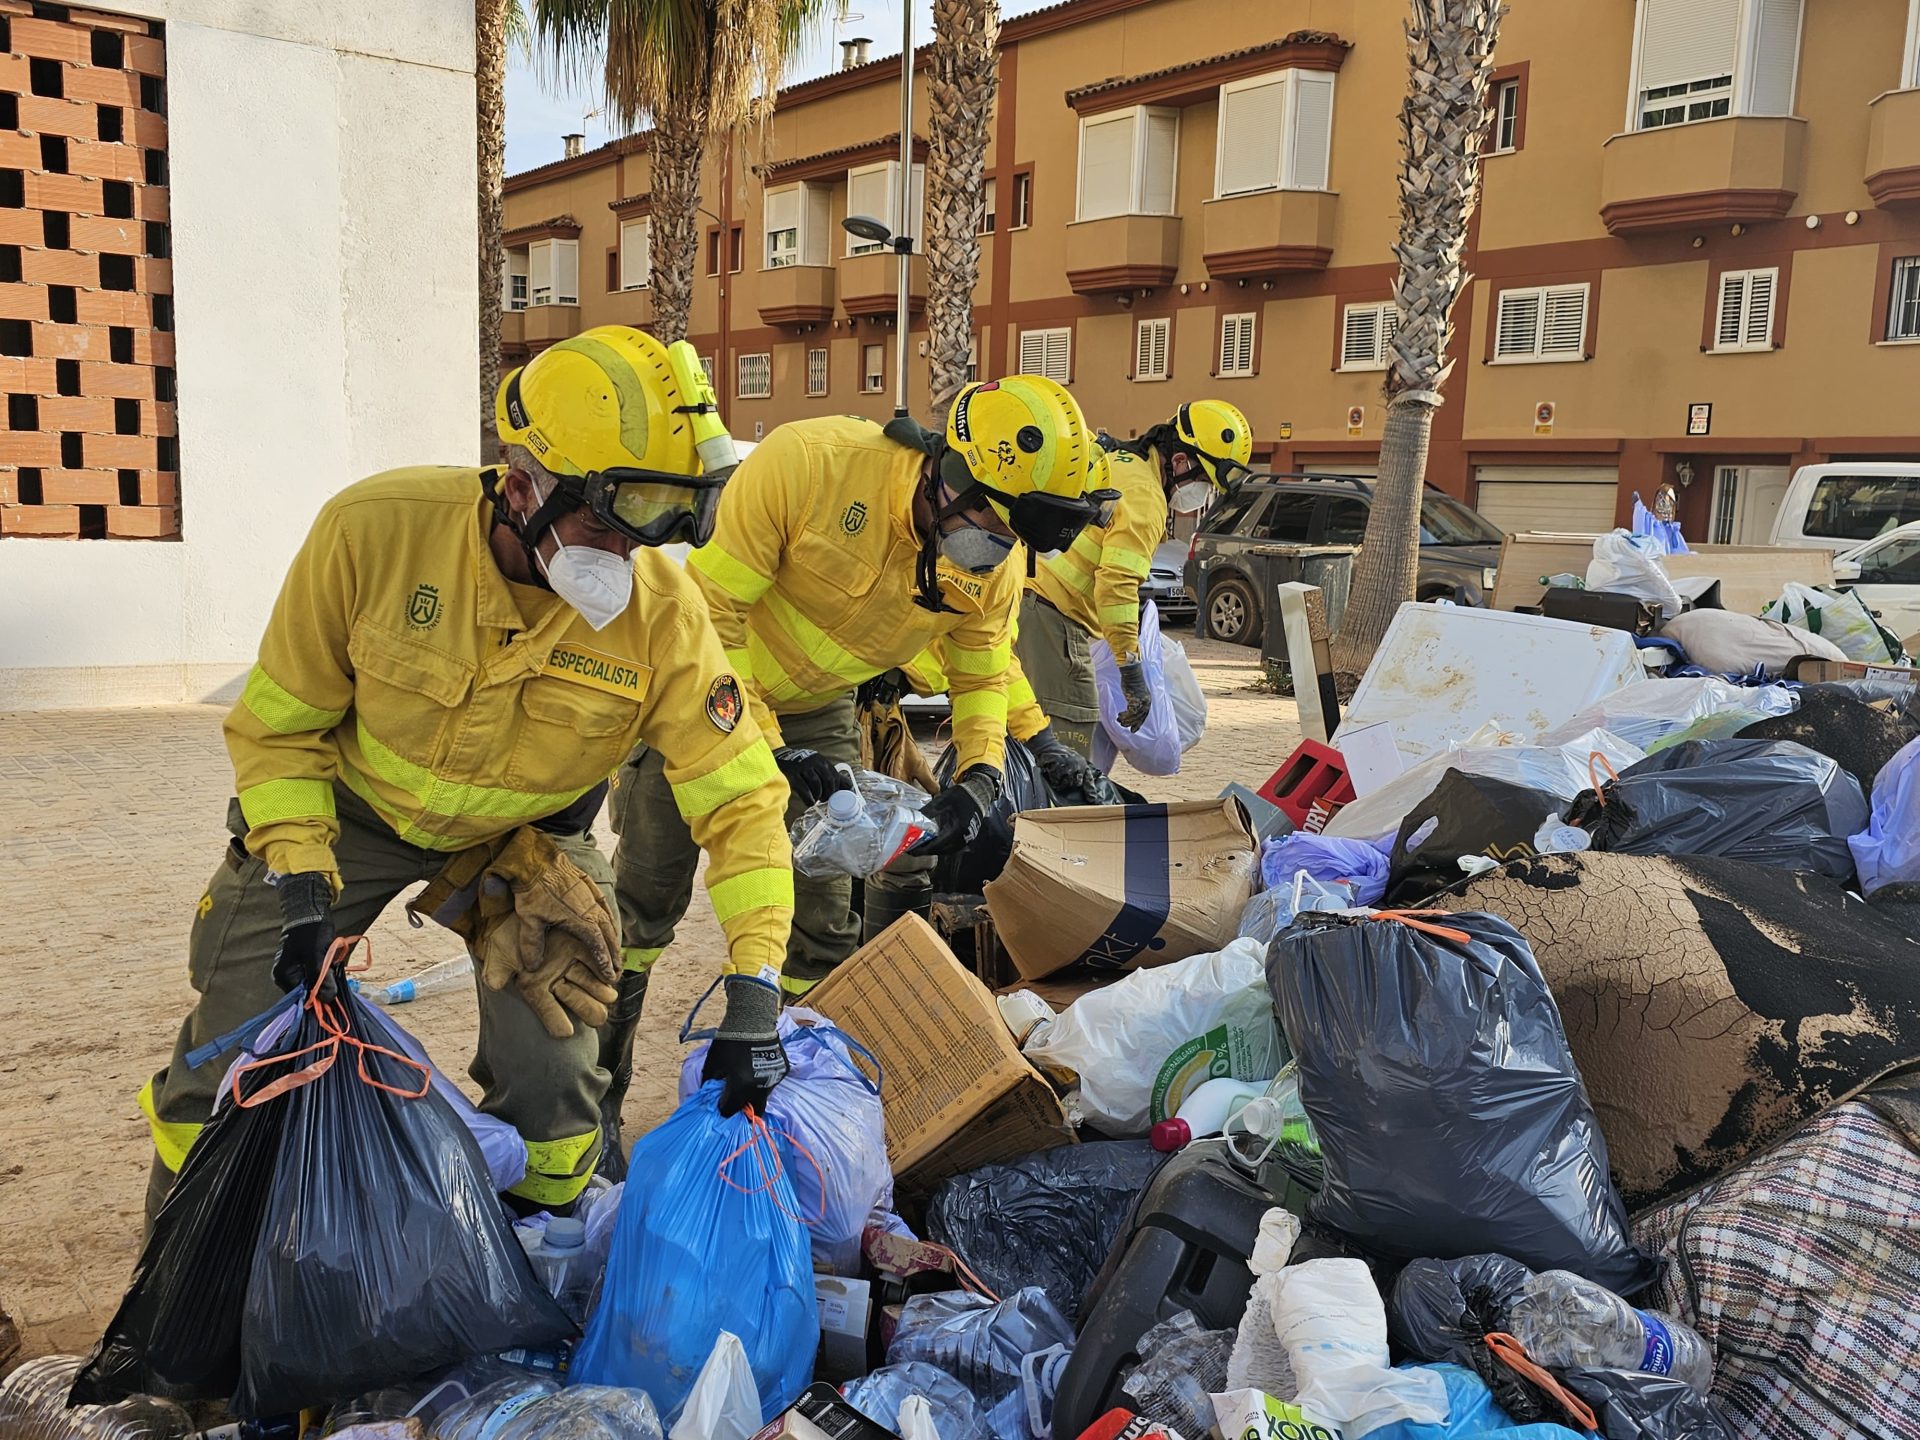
(1465, 815)
(1023, 788)
(1633, 1405)
(1452, 1120)
(1860, 734)
(1767, 802)
(1046, 1219)
(1445, 1309)
(378, 1252)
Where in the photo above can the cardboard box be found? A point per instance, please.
(820, 1414)
(957, 1092)
(1063, 987)
(1122, 886)
(846, 1307)
(1749, 575)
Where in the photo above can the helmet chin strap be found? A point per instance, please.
(534, 528)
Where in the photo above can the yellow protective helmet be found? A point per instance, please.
(1024, 442)
(607, 398)
(1216, 434)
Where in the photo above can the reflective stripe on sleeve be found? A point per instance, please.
(736, 577)
(274, 800)
(280, 710)
(742, 775)
(763, 889)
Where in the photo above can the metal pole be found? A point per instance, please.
(901, 233)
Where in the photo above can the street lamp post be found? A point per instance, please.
(867, 227)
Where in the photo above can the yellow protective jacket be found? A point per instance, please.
(1095, 582)
(402, 664)
(927, 675)
(810, 577)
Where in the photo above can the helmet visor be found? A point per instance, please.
(653, 507)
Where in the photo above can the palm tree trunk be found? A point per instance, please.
(490, 83)
(965, 80)
(679, 144)
(1443, 125)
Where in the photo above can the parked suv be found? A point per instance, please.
(1459, 548)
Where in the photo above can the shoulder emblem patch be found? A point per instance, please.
(723, 704)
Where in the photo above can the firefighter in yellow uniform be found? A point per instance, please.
(843, 548)
(457, 662)
(1093, 587)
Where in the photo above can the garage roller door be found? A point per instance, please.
(1576, 499)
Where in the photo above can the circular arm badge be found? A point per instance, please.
(723, 704)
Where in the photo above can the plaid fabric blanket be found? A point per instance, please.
(1802, 1269)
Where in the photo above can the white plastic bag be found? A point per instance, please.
(1183, 689)
(1259, 1361)
(1888, 850)
(1334, 1326)
(916, 1420)
(1153, 749)
(1142, 1043)
(1630, 563)
(724, 1403)
(1832, 615)
(1649, 711)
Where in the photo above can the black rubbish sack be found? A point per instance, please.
(1046, 1219)
(1444, 1309)
(1023, 788)
(1861, 735)
(1769, 802)
(1452, 1120)
(380, 1250)
(1465, 815)
(1633, 1405)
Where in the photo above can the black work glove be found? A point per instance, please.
(1064, 769)
(746, 1054)
(882, 690)
(812, 776)
(306, 932)
(956, 812)
(1133, 684)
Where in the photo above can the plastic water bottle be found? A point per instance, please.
(434, 980)
(560, 1260)
(850, 834)
(33, 1406)
(1565, 1320)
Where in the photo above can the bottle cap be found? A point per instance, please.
(1170, 1135)
(843, 806)
(565, 1233)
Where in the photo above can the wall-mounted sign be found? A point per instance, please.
(1286, 429)
(1700, 419)
(1543, 418)
(1356, 419)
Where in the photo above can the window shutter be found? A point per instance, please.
(1564, 331)
(1733, 296)
(1150, 350)
(816, 223)
(783, 209)
(1033, 352)
(1758, 331)
(1106, 166)
(1685, 40)
(869, 192)
(1162, 329)
(566, 272)
(636, 253)
(1775, 53)
(917, 208)
(1156, 180)
(1058, 364)
(540, 272)
(1389, 327)
(1518, 329)
(1252, 118)
(1236, 345)
(1360, 337)
(1310, 144)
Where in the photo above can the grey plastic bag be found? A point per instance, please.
(1452, 1121)
(1770, 802)
(1633, 1405)
(1444, 1309)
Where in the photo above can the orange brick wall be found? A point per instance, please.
(88, 449)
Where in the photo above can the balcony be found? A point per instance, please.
(867, 283)
(1122, 253)
(1742, 168)
(538, 326)
(631, 307)
(796, 295)
(1271, 232)
(1893, 148)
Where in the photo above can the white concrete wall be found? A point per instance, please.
(321, 167)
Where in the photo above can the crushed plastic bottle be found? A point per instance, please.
(487, 1410)
(1564, 1320)
(33, 1406)
(434, 980)
(861, 830)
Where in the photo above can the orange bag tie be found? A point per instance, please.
(333, 1020)
(760, 1142)
(1512, 1354)
(1411, 919)
(1595, 758)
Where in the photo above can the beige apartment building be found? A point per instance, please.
(1697, 258)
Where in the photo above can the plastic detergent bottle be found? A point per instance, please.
(1272, 1119)
(1565, 1320)
(1206, 1111)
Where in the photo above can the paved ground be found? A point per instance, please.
(110, 822)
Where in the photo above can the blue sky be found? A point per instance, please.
(539, 111)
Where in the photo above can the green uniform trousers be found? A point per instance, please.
(549, 1090)
(1057, 657)
(653, 864)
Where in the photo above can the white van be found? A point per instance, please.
(1835, 507)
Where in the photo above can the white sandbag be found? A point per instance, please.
(1736, 644)
(1334, 1325)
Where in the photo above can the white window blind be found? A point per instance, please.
(1686, 40)
(513, 280)
(873, 368)
(1745, 320)
(973, 358)
(1150, 349)
(636, 253)
(1310, 145)
(816, 223)
(1252, 121)
(756, 377)
(1048, 353)
(1106, 165)
(870, 192)
(555, 267)
(816, 372)
(1542, 323)
(1162, 147)
(782, 216)
(1910, 72)
(1366, 331)
(987, 213)
(1776, 54)
(1236, 345)
(540, 272)
(1903, 316)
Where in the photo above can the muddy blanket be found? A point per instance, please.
(1712, 1005)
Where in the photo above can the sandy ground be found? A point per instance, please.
(110, 823)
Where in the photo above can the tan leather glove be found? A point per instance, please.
(552, 895)
(564, 984)
(451, 897)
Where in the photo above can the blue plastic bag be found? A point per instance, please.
(1665, 533)
(708, 1238)
(1888, 850)
(1326, 857)
(1472, 1414)
(830, 1130)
